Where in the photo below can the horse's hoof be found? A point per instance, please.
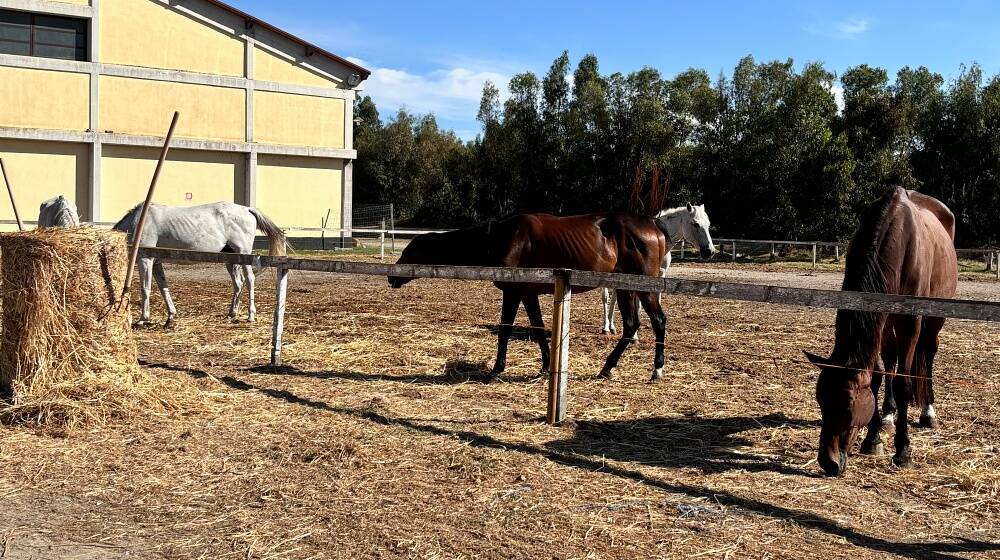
(606, 374)
(492, 378)
(252, 319)
(888, 419)
(141, 325)
(169, 324)
(873, 449)
(928, 422)
(903, 461)
(657, 375)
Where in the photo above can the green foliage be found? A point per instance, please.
(767, 148)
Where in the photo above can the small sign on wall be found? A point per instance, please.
(188, 196)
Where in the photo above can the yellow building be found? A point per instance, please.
(88, 87)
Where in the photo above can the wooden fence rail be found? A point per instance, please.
(564, 281)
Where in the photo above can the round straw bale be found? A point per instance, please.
(68, 354)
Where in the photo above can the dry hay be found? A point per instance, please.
(381, 441)
(68, 352)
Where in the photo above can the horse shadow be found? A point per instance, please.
(711, 445)
(517, 332)
(455, 372)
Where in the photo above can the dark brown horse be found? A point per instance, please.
(905, 245)
(623, 243)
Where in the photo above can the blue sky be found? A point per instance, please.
(433, 56)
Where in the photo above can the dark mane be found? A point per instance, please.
(857, 332)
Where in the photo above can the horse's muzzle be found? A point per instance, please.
(707, 253)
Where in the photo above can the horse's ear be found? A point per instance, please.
(817, 361)
(689, 207)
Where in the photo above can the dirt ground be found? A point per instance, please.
(381, 441)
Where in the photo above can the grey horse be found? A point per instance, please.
(58, 211)
(221, 226)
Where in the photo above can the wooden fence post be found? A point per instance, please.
(814, 255)
(278, 325)
(773, 254)
(559, 362)
(683, 248)
(734, 250)
(381, 243)
(836, 253)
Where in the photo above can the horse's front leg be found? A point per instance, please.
(161, 281)
(511, 301)
(146, 277)
(251, 282)
(872, 444)
(608, 307)
(907, 335)
(237, 277)
(534, 310)
(630, 322)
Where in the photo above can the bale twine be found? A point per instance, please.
(68, 355)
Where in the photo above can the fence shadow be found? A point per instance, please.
(917, 551)
(711, 445)
(455, 372)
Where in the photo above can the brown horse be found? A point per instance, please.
(905, 245)
(623, 243)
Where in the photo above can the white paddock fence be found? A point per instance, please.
(563, 280)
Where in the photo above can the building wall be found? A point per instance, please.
(188, 178)
(39, 171)
(157, 57)
(22, 106)
(270, 67)
(299, 191)
(301, 120)
(147, 33)
(144, 107)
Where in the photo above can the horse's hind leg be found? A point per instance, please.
(146, 277)
(511, 301)
(630, 322)
(534, 310)
(926, 351)
(161, 281)
(237, 276)
(251, 292)
(658, 320)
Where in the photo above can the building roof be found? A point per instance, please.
(306, 44)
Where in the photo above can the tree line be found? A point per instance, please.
(767, 148)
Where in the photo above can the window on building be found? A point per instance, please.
(28, 34)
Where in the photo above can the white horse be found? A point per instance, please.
(58, 212)
(684, 223)
(221, 226)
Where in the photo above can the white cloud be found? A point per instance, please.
(449, 93)
(838, 97)
(849, 29)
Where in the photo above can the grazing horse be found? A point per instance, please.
(684, 223)
(905, 245)
(608, 242)
(58, 211)
(221, 226)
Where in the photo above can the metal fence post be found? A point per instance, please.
(734, 250)
(773, 254)
(814, 255)
(278, 326)
(683, 248)
(559, 363)
(392, 226)
(836, 253)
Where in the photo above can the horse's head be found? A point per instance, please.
(846, 403)
(695, 229)
(419, 250)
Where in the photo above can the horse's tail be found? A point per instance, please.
(921, 393)
(275, 236)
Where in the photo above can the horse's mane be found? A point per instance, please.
(857, 332)
(129, 221)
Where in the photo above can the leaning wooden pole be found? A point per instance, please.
(10, 191)
(137, 234)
